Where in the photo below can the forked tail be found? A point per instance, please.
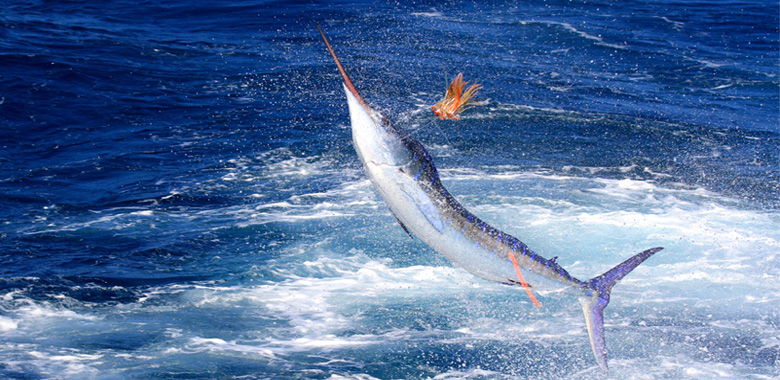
(593, 307)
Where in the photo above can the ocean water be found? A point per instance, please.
(180, 199)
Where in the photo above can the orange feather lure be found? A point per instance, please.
(456, 100)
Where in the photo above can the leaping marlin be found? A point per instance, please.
(403, 173)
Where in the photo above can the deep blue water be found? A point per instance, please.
(179, 197)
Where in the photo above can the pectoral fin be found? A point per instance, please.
(423, 203)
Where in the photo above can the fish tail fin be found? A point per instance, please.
(593, 306)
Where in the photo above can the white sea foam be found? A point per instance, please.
(268, 173)
(675, 24)
(424, 14)
(347, 200)
(329, 301)
(216, 344)
(326, 299)
(357, 376)
(499, 110)
(65, 358)
(278, 163)
(8, 324)
(317, 306)
(62, 364)
(118, 218)
(32, 314)
(566, 26)
(475, 373)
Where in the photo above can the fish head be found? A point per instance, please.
(374, 137)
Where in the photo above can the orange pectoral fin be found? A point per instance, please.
(522, 280)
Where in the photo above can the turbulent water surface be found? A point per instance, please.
(179, 196)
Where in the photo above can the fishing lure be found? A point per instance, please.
(456, 100)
